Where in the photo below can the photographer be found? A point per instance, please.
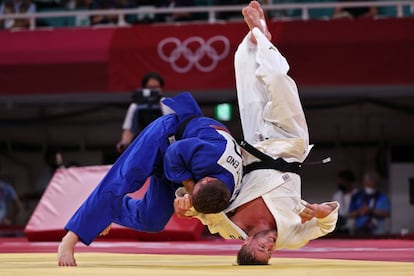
(145, 103)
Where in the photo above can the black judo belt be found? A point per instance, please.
(268, 162)
(178, 135)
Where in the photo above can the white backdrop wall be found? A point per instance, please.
(402, 213)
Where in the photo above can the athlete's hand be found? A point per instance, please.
(121, 146)
(189, 185)
(315, 211)
(182, 205)
(105, 231)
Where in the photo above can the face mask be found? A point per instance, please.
(369, 190)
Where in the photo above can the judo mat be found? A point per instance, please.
(321, 257)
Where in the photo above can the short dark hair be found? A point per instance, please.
(211, 198)
(245, 256)
(152, 75)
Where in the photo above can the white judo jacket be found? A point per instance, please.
(273, 122)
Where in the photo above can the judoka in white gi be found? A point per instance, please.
(268, 213)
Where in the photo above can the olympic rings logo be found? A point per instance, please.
(195, 52)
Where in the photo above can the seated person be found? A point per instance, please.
(16, 7)
(370, 208)
(8, 198)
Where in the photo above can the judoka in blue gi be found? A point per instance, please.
(181, 148)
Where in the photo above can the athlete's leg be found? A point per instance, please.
(153, 211)
(252, 95)
(283, 112)
(127, 175)
(268, 93)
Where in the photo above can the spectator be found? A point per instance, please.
(345, 181)
(16, 6)
(8, 197)
(153, 81)
(370, 208)
(357, 12)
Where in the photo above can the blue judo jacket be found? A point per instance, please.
(205, 149)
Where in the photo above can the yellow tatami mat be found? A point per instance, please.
(100, 264)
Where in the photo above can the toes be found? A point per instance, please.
(255, 5)
(244, 11)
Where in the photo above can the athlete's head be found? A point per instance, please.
(257, 250)
(210, 195)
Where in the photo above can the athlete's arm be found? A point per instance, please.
(190, 158)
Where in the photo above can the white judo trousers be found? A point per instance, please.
(268, 98)
(272, 121)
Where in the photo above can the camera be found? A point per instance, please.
(148, 108)
(146, 96)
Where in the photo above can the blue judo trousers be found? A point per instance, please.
(195, 156)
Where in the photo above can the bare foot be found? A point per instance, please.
(66, 250)
(254, 17)
(256, 5)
